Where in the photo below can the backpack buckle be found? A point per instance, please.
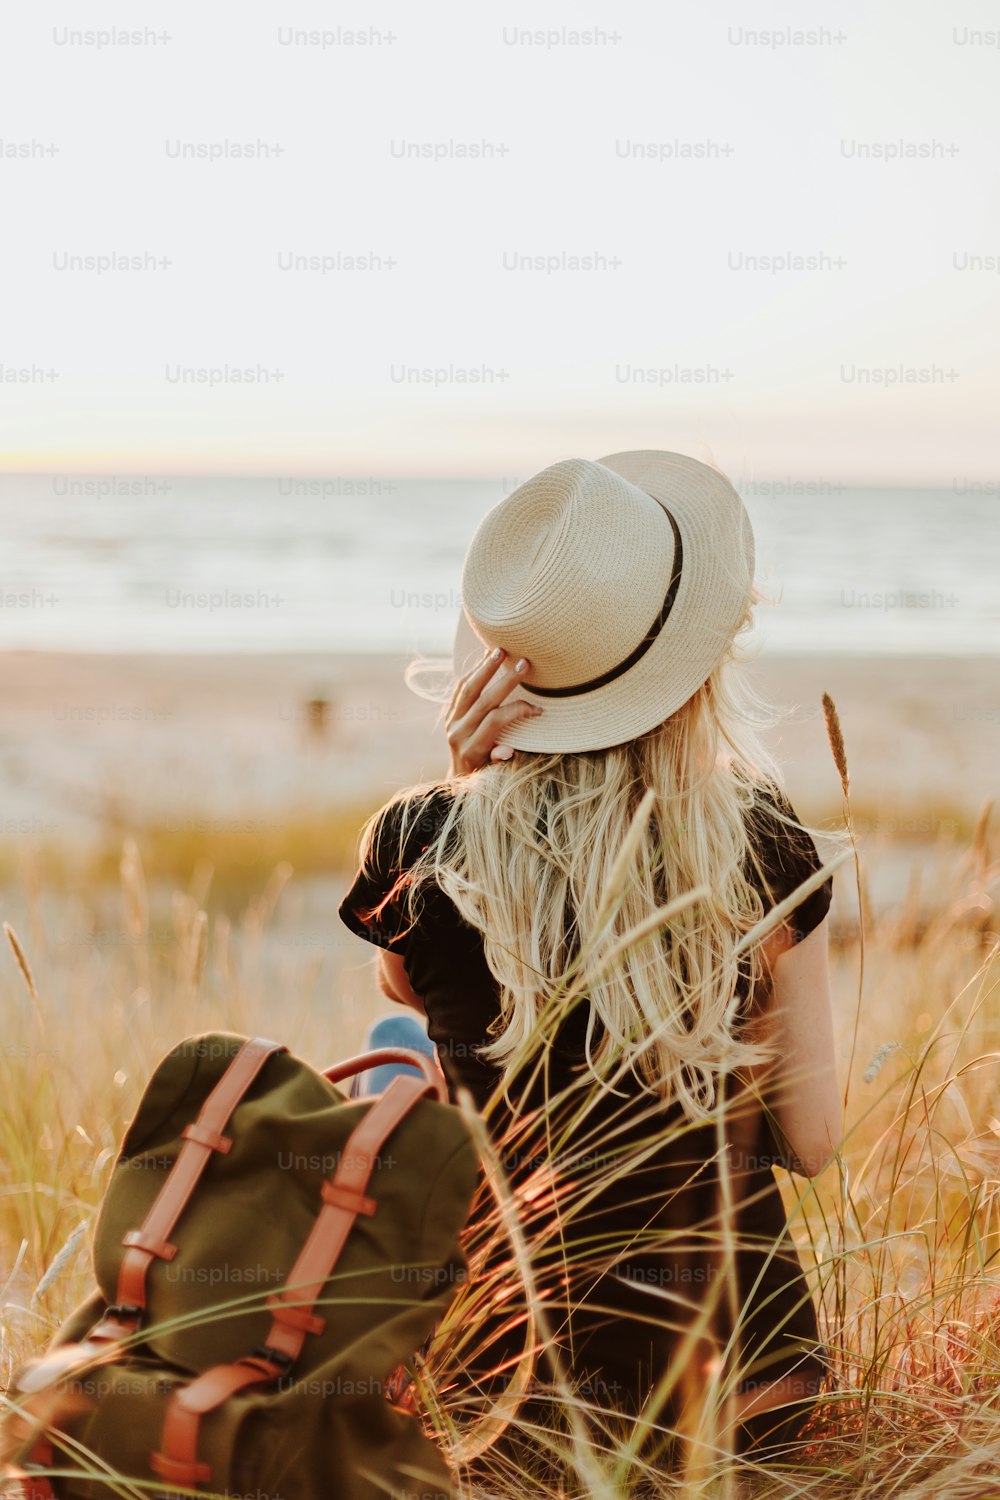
(124, 1312)
(272, 1356)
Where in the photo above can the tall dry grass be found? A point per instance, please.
(900, 1235)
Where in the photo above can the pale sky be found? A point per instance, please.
(759, 369)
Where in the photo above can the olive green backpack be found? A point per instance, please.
(268, 1253)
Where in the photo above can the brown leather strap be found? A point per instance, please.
(293, 1306)
(116, 1326)
(198, 1133)
(340, 1198)
(153, 1239)
(138, 1239)
(178, 1460)
(334, 1223)
(429, 1066)
(29, 1486)
(294, 1317)
(21, 1484)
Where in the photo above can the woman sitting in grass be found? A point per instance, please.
(574, 911)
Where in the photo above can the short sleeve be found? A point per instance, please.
(375, 905)
(787, 856)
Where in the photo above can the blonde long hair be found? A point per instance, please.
(526, 851)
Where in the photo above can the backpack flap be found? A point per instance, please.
(236, 1242)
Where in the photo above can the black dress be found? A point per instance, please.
(649, 1252)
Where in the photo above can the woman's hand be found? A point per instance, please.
(478, 713)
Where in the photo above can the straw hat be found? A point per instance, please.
(623, 582)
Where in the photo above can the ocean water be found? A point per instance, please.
(161, 563)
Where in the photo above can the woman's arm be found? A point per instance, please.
(802, 1081)
(393, 982)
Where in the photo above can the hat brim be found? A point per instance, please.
(710, 604)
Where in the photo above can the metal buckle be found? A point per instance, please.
(273, 1357)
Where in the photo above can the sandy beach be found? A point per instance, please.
(223, 736)
(213, 747)
(223, 762)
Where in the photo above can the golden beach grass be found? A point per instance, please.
(900, 1235)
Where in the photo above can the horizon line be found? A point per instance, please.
(830, 480)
